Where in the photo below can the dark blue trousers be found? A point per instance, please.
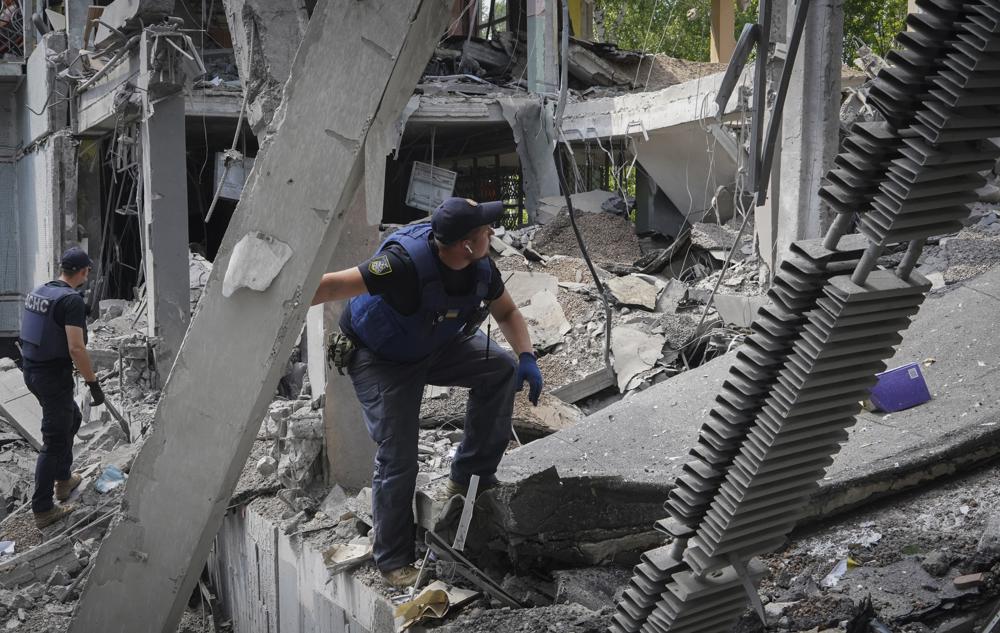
(61, 418)
(390, 395)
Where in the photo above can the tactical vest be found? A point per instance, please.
(438, 319)
(42, 339)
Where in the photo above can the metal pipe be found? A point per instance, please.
(837, 230)
(910, 258)
(774, 124)
(867, 263)
(759, 90)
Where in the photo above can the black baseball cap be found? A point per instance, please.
(75, 258)
(455, 217)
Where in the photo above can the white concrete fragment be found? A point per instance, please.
(631, 290)
(634, 352)
(522, 286)
(547, 323)
(342, 557)
(257, 259)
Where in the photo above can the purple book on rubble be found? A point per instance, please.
(900, 388)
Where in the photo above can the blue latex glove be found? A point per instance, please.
(527, 369)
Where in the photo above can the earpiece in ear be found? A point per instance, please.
(468, 248)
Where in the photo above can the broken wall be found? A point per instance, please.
(689, 166)
(266, 35)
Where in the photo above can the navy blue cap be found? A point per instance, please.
(75, 258)
(456, 217)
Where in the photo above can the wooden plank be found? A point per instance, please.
(20, 408)
(357, 60)
(586, 386)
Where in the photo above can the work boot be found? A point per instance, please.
(47, 518)
(453, 488)
(65, 488)
(401, 578)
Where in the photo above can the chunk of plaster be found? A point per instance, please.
(256, 260)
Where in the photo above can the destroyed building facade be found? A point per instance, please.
(213, 162)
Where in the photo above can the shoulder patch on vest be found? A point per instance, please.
(380, 266)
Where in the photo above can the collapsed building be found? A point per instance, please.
(184, 142)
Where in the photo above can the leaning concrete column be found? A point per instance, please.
(543, 65)
(164, 210)
(350, 452)
(278, 243)
(810, 125)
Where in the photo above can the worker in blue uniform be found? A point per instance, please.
(413, 317)
(53, 340)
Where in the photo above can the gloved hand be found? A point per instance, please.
(96, 393)
(527, 369)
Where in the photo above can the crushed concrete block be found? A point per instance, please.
(672, 294)
(634, 352)
(546, 321)
(59, 577)
(334, 503)
(305, 424)
(36, 564)
(522, 286)
(633, 291)
(551, 415)
(591, 587)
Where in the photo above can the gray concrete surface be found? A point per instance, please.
(614, 469)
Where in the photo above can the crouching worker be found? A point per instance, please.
(414, 318)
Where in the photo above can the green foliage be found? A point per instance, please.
(680, 28)
(872, 22)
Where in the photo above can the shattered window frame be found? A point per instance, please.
(489, 23)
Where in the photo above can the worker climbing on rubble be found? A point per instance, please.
(53, 340)
(413, 320)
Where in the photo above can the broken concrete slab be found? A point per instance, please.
(634, 352)
(128, 16)
(672, 294)
(633, 291)
(36, 564)
(522, 286)
(738, 310)
(546, 321)
(632, 450)
(19, 407)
